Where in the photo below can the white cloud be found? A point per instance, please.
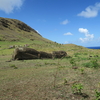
(37, 31)
(84, 39)
(9, 5)
(91, 11)
(65, 22)
(66, 42)
(83, 30)
(88, 37)
(68, 33)
(99, 39)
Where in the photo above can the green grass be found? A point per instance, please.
(34, 79)
(48, 79)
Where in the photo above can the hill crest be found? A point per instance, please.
(13, 30)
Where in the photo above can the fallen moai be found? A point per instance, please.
(59, 54)
(24, 53)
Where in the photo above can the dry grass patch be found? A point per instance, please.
(45, 80)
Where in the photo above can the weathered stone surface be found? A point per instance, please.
(59, 54)
(45, 55)
(24, 53)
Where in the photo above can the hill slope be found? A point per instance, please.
(13, 30)
(19, 33)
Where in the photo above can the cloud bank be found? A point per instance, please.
(91, 11)
(88, 37)
(9, 5)
(65, 22)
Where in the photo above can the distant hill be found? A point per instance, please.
(15, 30)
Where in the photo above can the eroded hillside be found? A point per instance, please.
(14, 30)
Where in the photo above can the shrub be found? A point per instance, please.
(65, 81)
(14, 66)
(97, 95)
(72, 61)
(84, 58)
(92, 64)
(76, 54)
(88, 64)
(82, 70)
(77, 88)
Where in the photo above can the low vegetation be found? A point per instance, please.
(75, 77)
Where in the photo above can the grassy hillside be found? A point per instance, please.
(15, 30)
(73, 78)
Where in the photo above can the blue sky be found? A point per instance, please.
(62, 21)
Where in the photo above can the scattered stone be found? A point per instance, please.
(74, 67)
